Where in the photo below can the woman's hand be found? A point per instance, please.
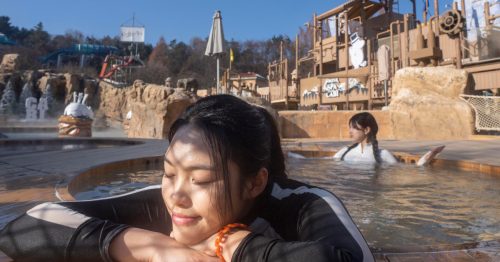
(135, 244)
(229, 246)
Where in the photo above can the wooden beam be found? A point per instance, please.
(353, 73)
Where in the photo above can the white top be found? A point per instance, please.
(365, 155)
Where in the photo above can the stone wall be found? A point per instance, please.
(425, 106)
(153, 107)
(328, 124)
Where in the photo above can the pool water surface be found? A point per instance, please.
(394, 206)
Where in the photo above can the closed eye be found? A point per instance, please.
(202, 182)
(168, 175)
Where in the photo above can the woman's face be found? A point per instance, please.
(358, 133)
(189, 189)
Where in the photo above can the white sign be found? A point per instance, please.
(132, 34)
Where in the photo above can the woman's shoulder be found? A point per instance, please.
(341, 152)
(296, 191)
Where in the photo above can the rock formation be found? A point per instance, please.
(112, 104)
(188, 84)
(9, 63)
(153, 110)
(72, 85)
(53, 86)
(425, 104)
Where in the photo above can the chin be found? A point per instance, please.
(188, 240)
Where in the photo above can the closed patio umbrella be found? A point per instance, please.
(215, 45)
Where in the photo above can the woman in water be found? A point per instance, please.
(363, 129)
(224, 196)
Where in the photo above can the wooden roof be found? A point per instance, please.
(353, 9)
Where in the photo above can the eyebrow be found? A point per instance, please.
(192, 167)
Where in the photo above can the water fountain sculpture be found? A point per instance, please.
(43, 106)
(25, 94)
(31, 105)
(77, 118)
(48, 96)
(8, 101)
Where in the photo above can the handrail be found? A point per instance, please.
(386, 31)
(303, 59)
(436, 29)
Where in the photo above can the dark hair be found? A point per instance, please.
(361, 121)
(237, 131)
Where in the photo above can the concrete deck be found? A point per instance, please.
(28, 178)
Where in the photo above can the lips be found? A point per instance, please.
(184, 220)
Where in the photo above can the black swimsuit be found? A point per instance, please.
(295, 222)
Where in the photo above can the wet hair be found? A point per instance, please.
(361, 121)
(235, 131)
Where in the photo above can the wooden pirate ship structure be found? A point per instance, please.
(358, 46)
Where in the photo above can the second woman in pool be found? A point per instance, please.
(363, 129)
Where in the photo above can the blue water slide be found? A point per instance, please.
(4, 40)
(80, 49)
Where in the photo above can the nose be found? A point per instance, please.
(180, 199)
(180, 195)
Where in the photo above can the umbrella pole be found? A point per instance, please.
(218, 82)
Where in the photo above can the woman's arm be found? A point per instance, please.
(135, 244)
(81, 230)
(52, 232)
(387, 157)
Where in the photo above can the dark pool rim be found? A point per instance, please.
(70, 140)
(39, 129)
(67, 191)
